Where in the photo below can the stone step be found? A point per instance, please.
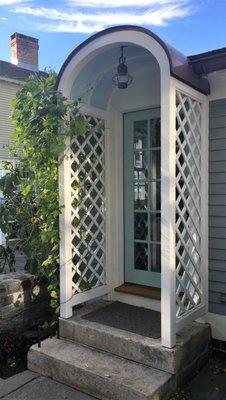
(189, 354)
(97, 373)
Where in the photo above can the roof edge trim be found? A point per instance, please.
(180, 67)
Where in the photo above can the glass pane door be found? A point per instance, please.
(142, 201)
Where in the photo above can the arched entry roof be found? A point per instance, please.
(180, 67)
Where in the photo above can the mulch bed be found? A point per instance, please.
(217, 366)
(14, 348)
(12, 367)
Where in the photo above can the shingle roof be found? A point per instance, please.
(11, 71)
(211, 61)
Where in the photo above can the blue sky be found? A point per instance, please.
(192, 26)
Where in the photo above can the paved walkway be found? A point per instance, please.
(30, 386)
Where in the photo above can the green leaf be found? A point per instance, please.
(27, 190)
(54, 294)
(80, 127)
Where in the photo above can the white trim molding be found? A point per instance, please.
(168, 159)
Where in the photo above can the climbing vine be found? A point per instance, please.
(43, 120)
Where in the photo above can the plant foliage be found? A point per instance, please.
(43, 120)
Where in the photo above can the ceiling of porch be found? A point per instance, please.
(94, 85)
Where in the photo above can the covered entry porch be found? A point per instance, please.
(135, 187)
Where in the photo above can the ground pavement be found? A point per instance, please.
(30, 386)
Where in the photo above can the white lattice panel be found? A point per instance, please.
(88, 207)
(188, 205)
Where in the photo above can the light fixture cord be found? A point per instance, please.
(122, 58)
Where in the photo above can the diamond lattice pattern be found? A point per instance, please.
(88, 207)
(188, 204)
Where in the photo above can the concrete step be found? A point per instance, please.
(97, 373)
(189, 354)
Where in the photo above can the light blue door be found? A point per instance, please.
(142, 201)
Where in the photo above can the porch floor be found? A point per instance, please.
(129, 318)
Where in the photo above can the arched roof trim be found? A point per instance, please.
(180, 67)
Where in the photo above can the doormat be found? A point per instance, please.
(129, 318)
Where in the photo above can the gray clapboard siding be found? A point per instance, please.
(217, 254)
(219, 243)
(217, 200)
(217, 133)
(217, 276)
(218, 233)
(217, 166)
(217, 211)
(218, 111)
(218, 287)
(217, 144)
(217, 155)
(216, 222)
(216, 188)
(217, 265)
(218, 122)
(217, 207)
(217, 177)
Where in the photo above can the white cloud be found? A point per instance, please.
(96, 20)
(122, 3)
(10, 2)
(71, 27)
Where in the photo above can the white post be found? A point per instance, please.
(168, 162)
(65, 235)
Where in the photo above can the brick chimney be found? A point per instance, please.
(24, 51)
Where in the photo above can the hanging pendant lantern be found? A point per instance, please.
(122, 79)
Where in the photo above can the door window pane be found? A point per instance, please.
(140, 134)
(140, 226)
(141, 256)
(140, 196)
(140, 165)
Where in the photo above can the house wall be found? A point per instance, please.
(8, 91)
(216, 316)
(217, 207)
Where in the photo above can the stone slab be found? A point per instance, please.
(97, 373)
(16, 381)
(192, 343)
(46, 389)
